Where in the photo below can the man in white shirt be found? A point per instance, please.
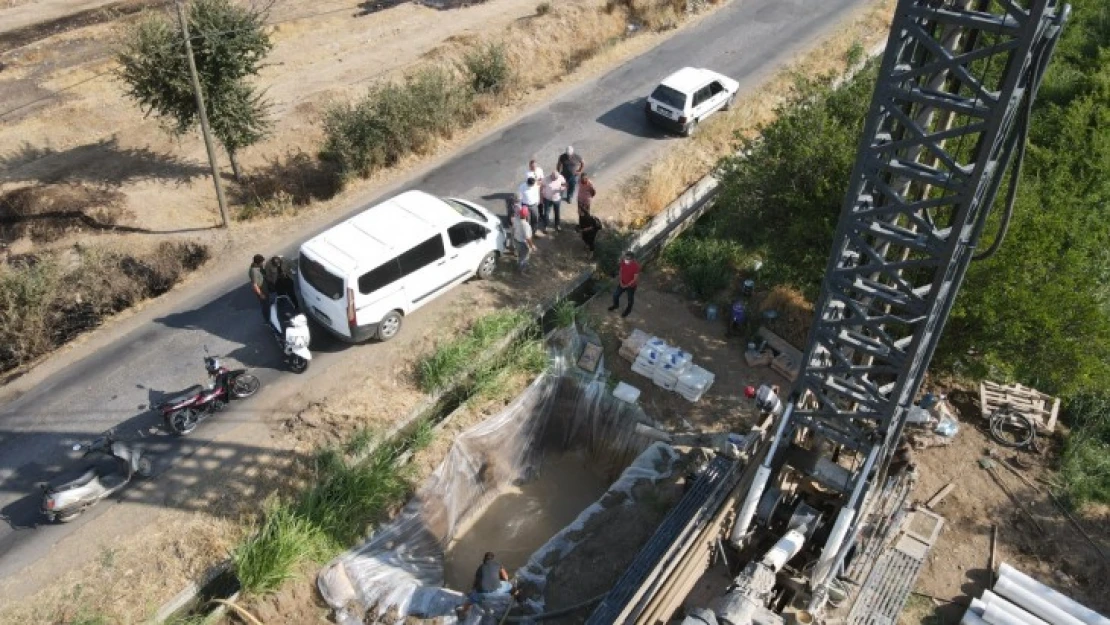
(529, 195)
(553, 188)
(766, 399)
(534, 170)
(522, 237)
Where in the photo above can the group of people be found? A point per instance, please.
(268, 279)
(537, 205)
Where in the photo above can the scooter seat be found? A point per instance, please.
(86, 477)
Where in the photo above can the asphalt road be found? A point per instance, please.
(114, 386)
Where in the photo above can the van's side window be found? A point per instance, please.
(379, 278)
(466, 232)
(422, 255)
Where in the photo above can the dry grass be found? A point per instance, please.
(661, 182)
(45, 213)
(795, 313)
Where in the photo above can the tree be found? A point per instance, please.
(229, 44)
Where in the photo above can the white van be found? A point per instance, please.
(361, 277)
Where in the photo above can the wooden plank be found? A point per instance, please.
(780, 344)
(1051, 425)
(940, 495)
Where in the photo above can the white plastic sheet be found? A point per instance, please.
(399, 571)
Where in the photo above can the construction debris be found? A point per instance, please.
(935, 500)
(1017, 598)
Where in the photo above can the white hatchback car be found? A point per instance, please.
(688, 96)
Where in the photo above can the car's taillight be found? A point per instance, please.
(351, 309)
(49, 504)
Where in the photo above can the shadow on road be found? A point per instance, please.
(629, 118)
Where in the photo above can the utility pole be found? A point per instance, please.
(203, 115)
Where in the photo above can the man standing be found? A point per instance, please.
(279, 278)
(571, 166)
(628, 278)
(490, 580)
(552, 193)
(529, 195)
(534, 170)
(257, 278)
(586, 193)
(589, 226)
(522, 236)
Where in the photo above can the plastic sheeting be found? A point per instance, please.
(399, 571)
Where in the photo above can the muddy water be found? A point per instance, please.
(520, 521)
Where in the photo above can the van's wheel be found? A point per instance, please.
(389, 326)
(486, 267)
(691, 127)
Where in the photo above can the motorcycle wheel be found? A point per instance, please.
(298, 364)
(183, 421)
(245, 385)
(145, 467)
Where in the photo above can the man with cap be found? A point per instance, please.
(529, 195)
(522, 239)
(766, 399)
(571, 166)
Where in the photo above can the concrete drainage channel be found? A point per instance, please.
(210, 598)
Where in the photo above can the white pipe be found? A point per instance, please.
(971, 618)
(1065, 603)
(995, 614)
(977, 606)
(1033, 602)
(991, 599)
(787, 547)
(747, 511)
(832, 546)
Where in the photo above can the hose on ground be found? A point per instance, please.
(1006, 415)
(556, 613)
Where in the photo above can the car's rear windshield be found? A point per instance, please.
(671, 97)
(321, 279)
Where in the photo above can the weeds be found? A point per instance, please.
(334, 513)
(1085, 464)
(451, 358)
(608, 249)
(543, 8)
(564, 313)
(487, 66)
(48, 300)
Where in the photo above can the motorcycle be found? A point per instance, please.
(290, 328)
(66, 501)
(183, 413)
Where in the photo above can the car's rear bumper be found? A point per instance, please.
(663, 121)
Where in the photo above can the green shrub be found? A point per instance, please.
(487, 68)
(707, 266)
(451, 358)
(1085, 464)
(394, 120)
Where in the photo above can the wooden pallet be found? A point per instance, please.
(1039, 407)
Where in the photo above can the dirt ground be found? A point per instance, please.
(957, 569)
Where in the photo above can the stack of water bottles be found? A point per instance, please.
(668, 367)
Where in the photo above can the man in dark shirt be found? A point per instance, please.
(571, 166)
(491, 579)
(258, 285)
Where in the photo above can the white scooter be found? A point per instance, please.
(291, 331)
(65, 502)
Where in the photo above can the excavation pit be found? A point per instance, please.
(560, 485)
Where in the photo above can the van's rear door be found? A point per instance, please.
(323, 292)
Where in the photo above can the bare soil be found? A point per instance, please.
(957, 569)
